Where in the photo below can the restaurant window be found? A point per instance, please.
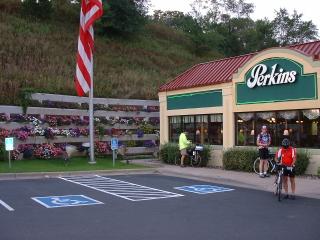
(203, 129)
(215, 130)
(189, 126)
(301, 127)
(175, 125)
(268, 119)
(245, 128)
(310, 132)
(288, 126)
(201, 136)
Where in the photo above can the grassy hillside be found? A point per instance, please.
(41, 55)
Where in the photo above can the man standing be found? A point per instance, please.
(183, 145)
(287, 156)
(263, 142)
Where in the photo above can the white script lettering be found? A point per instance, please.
(260, 78)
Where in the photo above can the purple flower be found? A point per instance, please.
(149, 143)
(140, 133)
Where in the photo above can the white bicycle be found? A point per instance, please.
(271, 163)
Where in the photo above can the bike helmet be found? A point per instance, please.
(285, 143)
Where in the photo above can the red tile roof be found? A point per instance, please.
(221, 71)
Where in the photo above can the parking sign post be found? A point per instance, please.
(9, 147)
(114, 147)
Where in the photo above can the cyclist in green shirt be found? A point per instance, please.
(184, 143)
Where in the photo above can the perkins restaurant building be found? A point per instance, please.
(228, 101)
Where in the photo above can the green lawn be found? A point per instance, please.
(58, 165)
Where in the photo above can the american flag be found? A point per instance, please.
(91, 10)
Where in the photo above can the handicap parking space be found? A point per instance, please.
(123, 189)
(147, 206)
(65, 201)
(204, 189)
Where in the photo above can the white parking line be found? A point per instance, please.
(6, 205)
(122, 189)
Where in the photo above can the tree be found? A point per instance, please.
(203, 42)
(123, 17)
(292, 29)
(215, 11)
(178, 20)
(225, 23)
(41, 9)
(238, 9)
(264, 35)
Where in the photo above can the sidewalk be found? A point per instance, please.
(305, 186)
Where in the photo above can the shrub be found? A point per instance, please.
(169, 151)
(205, 155)
(303, 159)
(242, 159)
(239, 159)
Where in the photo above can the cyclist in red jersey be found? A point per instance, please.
(287, 157)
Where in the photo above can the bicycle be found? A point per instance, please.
(271, 163)
(278, 181)
(193, 155)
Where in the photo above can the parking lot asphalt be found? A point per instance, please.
(239, 214)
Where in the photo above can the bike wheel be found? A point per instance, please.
(196, 160)
(279, 188)
(256, 164)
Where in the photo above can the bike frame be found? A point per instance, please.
(279, 181)
(191, 153)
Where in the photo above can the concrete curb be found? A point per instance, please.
(40, 175)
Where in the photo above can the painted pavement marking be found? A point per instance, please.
(65, 201)
(6, 206)
(122, 189)
(203, 189)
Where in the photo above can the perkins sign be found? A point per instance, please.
(276, 80)
(259, 76)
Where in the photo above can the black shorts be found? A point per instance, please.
(289, 173)
(264, 153)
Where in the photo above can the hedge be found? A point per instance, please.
(169, 151)
(242, 159)
(303, 160)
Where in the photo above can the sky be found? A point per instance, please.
(263, 8)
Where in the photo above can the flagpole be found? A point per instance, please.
(91, 122)
(91, 10)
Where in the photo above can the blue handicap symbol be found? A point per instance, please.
(114, 143)
(204, 189)
(65, 201)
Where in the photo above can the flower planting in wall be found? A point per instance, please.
(100, 107)
(46, 133)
